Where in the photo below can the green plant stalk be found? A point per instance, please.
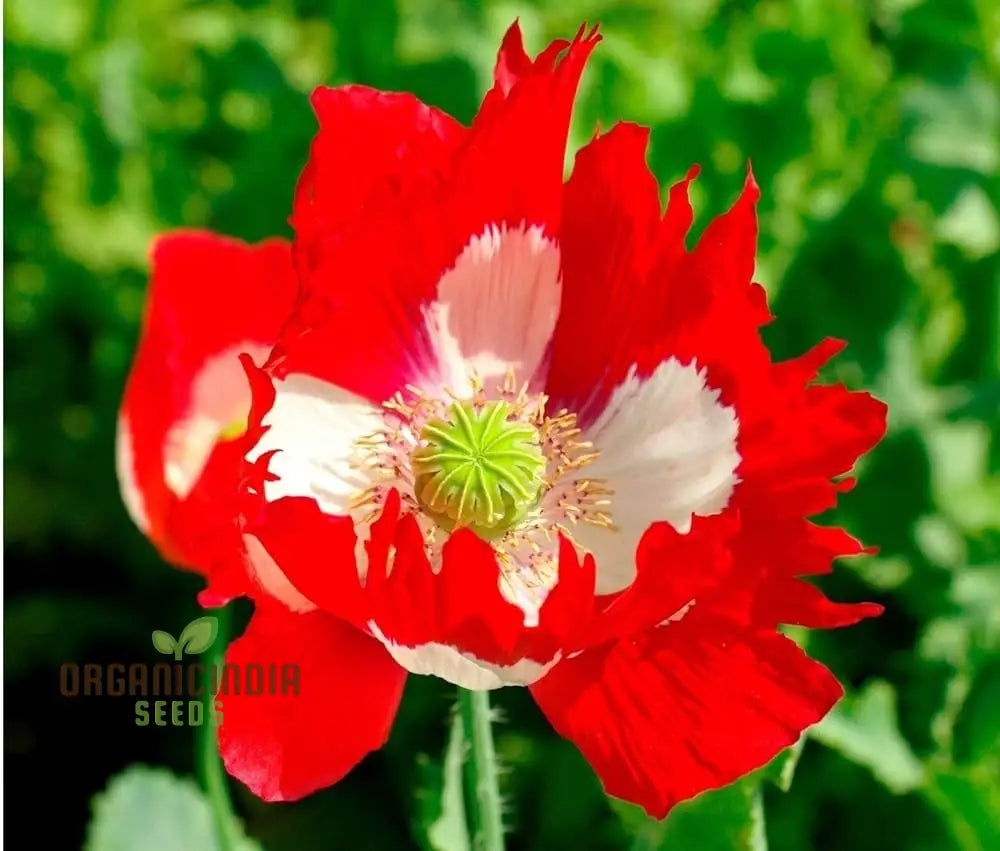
(482, 792)
(210, 769)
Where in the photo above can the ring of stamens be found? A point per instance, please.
(400, 455)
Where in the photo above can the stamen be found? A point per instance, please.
(495, 463)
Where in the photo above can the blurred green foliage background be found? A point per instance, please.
(874, 131)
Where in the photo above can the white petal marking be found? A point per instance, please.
(668, 451)
(271, 577)
(679, 615)
(461, 668)
(315, 426)
(220, 396)
(531, 572)
(496, 308)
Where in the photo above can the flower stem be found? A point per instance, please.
(482, 793)
(210, 769)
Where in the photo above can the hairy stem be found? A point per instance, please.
(210, 769)
(482, 792)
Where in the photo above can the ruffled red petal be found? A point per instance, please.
(674, 573)
(684, 708)
(359, 324)
(371, 147)
(368, 278)
(710, 310)
(315, 551)
(285, 746)
(693, 704)
(794, 601)
(513, 63)
(610, 219)
(633, 295)
(411, 604)
(510, 169)
(206, 521)
(460, 605)
(208, 294)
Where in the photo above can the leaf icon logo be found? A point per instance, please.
(196, 637)
(164, 642)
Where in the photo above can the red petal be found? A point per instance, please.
(809, 549)
(728, 247)
(473, 613)
(316, 553)
(672, 571)
(633, 296)
(506, 170)
(685, 708)
(611, 213)
(510, 169)
(810, 429)
(678, 217)
(791, 499)
(460, 605)
(795, 433)
(564, 619)
(844, 425)
(365, 270)
(360, 326)
(709, 310)
(514, 64)
(284, 747)
(208, 294)
(649, 299)
(371, 145)
(800, 370)
(206, 524)
(512, 60)
(793, 601)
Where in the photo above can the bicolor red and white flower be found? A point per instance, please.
(211, 299)
(516, 433)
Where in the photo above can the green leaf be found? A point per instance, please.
(865, 729)
(971, 223)
(977, 727)
(954, 126)
(199, 635)
(727, 819)
(970, 801)
(152, 809)
(163, 641)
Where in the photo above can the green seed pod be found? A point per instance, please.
(478, 469)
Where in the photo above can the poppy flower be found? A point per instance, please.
(186, 401)
(516, 433)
